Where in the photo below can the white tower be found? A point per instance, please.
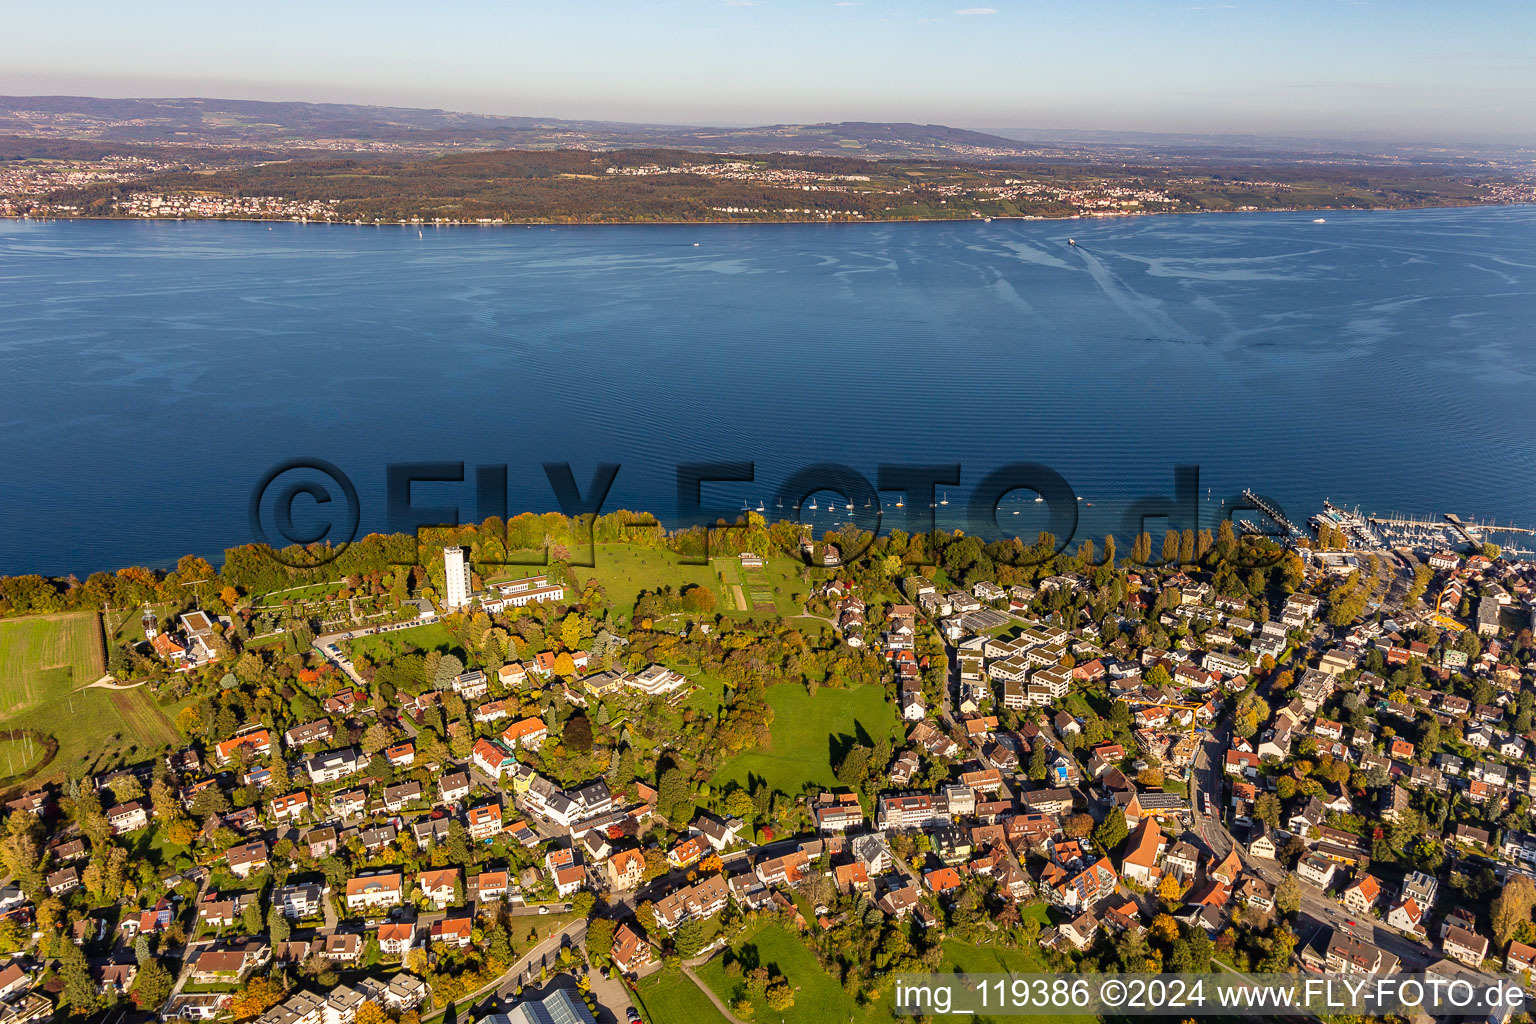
(456, 587)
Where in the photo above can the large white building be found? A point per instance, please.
(456, 585)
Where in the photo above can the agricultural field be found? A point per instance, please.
(46, 664)
(43, 656)
(19, 754)
(733, 588)
(144, 717)
(811, 734)
(767, 589)
(105, 727)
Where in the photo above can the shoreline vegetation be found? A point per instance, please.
(784, 221)
(666, 186)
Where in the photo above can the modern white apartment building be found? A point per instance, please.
(456, 583)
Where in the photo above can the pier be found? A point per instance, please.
(1474, 531)
(1272, 512)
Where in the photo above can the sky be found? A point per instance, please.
(1417, 70)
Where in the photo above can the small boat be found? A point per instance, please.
(813, 504)
(1071, 241)
(760, 507)
(849, 506)
(695, 245)
(1090, 504)
(944, 500)
(1318, 220)
(900, 503)
(1038, 498)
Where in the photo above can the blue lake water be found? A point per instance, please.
(151, 373)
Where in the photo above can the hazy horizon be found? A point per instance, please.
(1417, 72)
(1021, 133)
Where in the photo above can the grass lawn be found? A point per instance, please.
(668, 996)
(782, 573)
(962, 957)
(624, 570)
(708, 696)
(127, 624)
(275, 598)
(434, 636)
(43, 656)
(19, 755)
(820, 999)
(810, 734)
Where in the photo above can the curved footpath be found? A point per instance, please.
(710, 995)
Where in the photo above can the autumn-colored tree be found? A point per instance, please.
(780, 996)
(1170, 888)
(1078, 826)
(1513, 906)
(1165, 929)
(571, 628)
(369, 1012)
(258, 996)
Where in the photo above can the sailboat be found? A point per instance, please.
(849, 506)
(900, 503)
(760, 506)
(813, 505)
(944, 500)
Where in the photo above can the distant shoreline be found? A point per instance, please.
(758, 223)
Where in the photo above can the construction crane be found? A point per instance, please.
(1441, 619)
(1144, 702)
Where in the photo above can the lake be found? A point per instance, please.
(150, 373)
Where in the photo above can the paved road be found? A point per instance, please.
(501, 992)
(188, 953)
